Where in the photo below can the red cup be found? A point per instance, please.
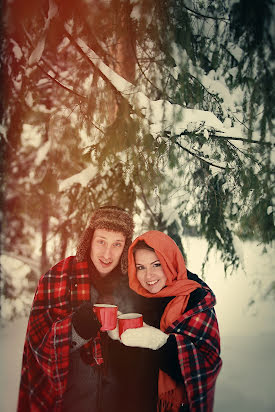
(129, 321)
(107, 315)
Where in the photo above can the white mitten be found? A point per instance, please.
(145, 337)
(114, 334)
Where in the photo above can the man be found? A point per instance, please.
(68, 365)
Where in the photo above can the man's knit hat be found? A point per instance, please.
(111, 218)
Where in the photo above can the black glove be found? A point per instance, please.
(85, 321)
(168, 359)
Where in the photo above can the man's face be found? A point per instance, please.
(106, 249)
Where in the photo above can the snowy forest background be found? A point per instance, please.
(165, 108)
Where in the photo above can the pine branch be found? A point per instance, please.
(141, 69)
(245, 154)
(205, 88)
(219, 136)
(28, 37)
(60, 84)
(241, 139)
(146, 203)
(144, 198)
(204, 16)
(105, 78)
(197, 156)
(84, 98)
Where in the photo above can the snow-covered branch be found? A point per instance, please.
(159, 115)
(82, 178)
(202, 159)
(61, 85)
(33, 264)
(204, 16)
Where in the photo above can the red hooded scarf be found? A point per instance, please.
(177, 284)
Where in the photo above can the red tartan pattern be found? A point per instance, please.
(198, 341)
(46, 353)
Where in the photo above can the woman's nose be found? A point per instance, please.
(148, 273)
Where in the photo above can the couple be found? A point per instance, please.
(170, 364)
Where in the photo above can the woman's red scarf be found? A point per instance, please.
(177, 284)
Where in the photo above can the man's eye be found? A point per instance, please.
(118, 244)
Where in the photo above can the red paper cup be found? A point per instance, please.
(107, 315)
(129, 321)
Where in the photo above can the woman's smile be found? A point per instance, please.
(152, 282)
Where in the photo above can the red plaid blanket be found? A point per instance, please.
(198, 341)
(47, 346)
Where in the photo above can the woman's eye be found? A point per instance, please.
(156, 265)
(139, 267)
(100, 242)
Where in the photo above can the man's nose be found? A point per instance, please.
(107, 252)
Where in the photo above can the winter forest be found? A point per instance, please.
(163, 107)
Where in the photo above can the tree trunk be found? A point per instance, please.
(124, 49)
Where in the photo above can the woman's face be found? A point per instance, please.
(149, 270)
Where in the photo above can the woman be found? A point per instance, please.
(184, 331)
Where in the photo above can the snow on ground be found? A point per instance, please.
(11, 346)
(246, 382)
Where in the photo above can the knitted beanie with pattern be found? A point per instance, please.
(110, 218)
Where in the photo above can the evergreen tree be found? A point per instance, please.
(164, 107)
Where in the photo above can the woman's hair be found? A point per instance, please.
(141, 244)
